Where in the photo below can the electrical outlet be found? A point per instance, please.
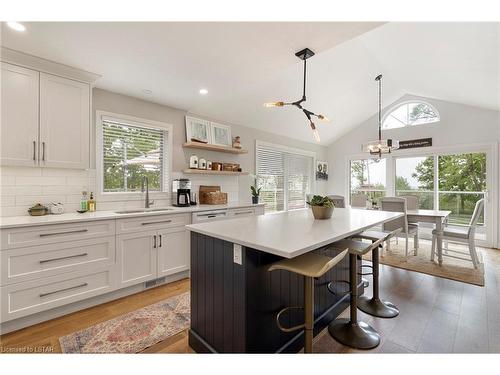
(237, 254)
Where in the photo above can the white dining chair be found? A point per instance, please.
(358, 200)
(467, 236)
(338, 200)
(411, 204)
(397, 204)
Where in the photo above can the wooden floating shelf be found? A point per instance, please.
(208, 147)
(207, 171)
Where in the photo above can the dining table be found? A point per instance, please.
(438, 218)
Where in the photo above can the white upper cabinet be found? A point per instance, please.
(45, 119)
(19, 119)
(64, 122)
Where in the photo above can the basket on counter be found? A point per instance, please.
(212, 195)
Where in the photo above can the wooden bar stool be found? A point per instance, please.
(311, 266)
(375, 306)
(352, 332)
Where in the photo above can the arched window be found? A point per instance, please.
(409, 114)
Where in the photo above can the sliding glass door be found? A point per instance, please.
(415, 176)
(368, 177)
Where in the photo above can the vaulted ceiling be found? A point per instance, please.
(244, 65)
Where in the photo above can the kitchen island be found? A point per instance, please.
(234, 299)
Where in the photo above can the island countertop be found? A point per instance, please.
(293, 233)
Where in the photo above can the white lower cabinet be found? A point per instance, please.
(173, 251)
(136, 255)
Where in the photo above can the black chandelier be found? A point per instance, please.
(380, 146)
(303, 55)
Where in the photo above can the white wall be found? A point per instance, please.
(460, 125)
(21, 187)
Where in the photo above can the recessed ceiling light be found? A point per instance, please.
(147, 92)
(203, 91)
(16, 26)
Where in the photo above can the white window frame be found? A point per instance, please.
(290, 150)
(406, 102)
(492, 177)
(102, 116)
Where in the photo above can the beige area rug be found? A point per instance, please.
(454, 269)
(134, 331)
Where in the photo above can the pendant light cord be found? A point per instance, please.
(304, 89)
(380, 109)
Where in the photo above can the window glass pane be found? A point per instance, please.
(284, 178)
(129, 153)
(415, 176)
(462, 182)
(368, 177)
(408, 114)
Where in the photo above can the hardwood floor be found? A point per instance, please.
(437, 316)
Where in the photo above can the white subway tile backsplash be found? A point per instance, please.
(21, 190)
(7, 180)
(23, 180)
(22, 200)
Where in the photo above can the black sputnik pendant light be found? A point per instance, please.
(303, 55)
(380, 146)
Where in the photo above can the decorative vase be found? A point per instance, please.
(255, 200)
(321, 212)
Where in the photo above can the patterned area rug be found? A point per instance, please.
(134, 331)
(454, 269)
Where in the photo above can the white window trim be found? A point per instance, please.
(409, 101)
(140, 122)
(291, 150)
(492, 168)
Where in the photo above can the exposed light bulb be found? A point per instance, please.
(16, 26)
(203, 91)
(274, 104)
(323, 118)
(315, 132)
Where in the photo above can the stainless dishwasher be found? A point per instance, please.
(205, 216)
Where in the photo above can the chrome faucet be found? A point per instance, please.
(145, 182)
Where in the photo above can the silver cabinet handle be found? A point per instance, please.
(61, 258)
(60, 233)
(62, 290)
(211, 215)
(157, 222)
(160, 240)
(243, 212)
(43, 151)
(34, 150)
(154, 242)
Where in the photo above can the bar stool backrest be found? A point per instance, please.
(394, 204)
(411, 201)
(478, 209)
(358, 200)
(338, 200)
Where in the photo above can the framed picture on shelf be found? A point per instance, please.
(198, 130)
(221, 135)
(322, 170)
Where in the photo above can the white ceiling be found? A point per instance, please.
(246, 64)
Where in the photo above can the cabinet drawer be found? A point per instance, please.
(45, 234)
(30, 297)
(31, 263)
(241, 212)
(140, 224)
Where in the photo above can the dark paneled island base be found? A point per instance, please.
(234, 306)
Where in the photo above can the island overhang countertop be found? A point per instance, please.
(293, 233)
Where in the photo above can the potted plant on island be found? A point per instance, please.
(255, 194)
(322, 207)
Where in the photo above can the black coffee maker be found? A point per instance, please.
(181, 192)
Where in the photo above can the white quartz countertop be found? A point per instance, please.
(22, 221)
(290, 234)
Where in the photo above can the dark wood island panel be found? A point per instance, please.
(234, 307)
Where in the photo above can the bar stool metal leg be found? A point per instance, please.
(309, 314)
(351, 332)
(374, 306)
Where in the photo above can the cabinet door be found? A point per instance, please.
(136, 258)
(19, 119)
(64, 122)
(173, 251)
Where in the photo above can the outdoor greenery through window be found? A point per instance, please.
(415, 176)
(409, 114)
(128, 154)
(368, 176)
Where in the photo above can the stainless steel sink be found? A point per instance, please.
(143, 210)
